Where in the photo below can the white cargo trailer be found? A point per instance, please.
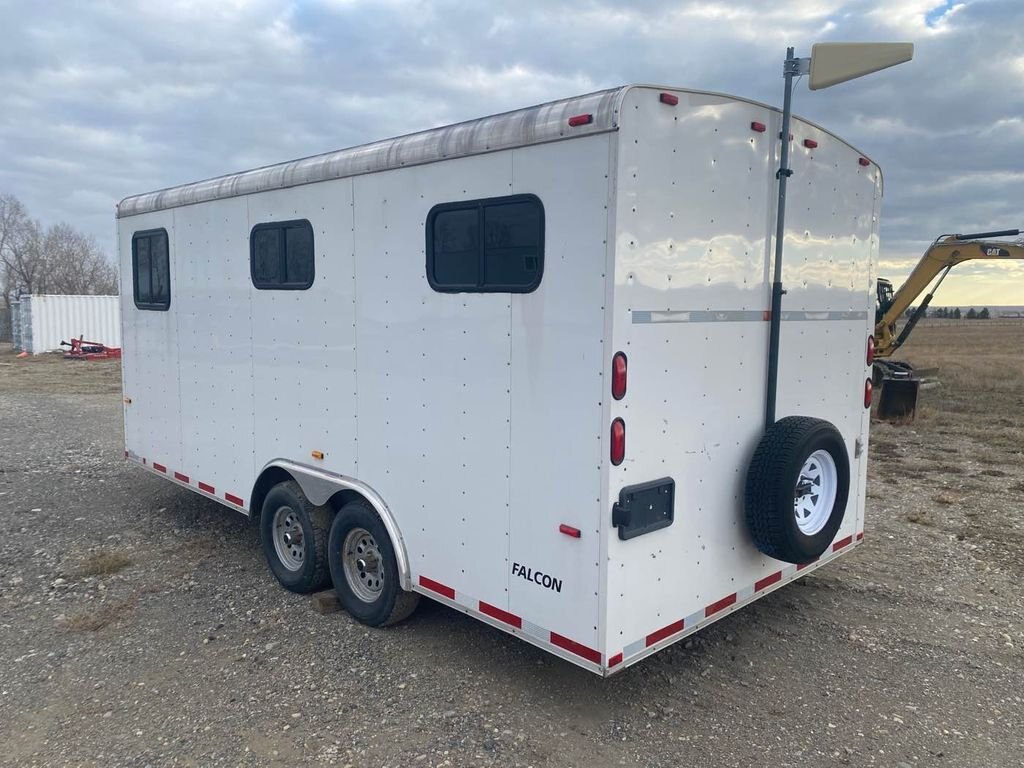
(518, 364)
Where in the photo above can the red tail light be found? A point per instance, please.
(871, 350)
(618, 441)
(619, 376)
(867, 393)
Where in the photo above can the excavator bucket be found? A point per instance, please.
(898, 400)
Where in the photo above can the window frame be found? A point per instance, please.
(481, 205)
(282, 226)
(154, 306)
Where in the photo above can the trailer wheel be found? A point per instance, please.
(294, 535)
(797, 486)
(364, 568)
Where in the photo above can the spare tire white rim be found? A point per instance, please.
(815, 492)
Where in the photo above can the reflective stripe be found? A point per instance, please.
(645, 316)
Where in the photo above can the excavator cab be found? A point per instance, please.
(899, 385)
(884, 301)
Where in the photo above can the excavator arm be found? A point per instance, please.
(944, 254)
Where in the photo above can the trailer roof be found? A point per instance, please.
(522, 127)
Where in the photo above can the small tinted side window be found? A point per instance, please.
(281, 255)
(151, 270)
(494, 245)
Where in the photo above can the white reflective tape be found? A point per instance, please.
(534, 631)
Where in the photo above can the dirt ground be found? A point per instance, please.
(140, 626)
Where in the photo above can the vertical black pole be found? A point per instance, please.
(783, 174)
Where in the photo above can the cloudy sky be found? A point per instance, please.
(103, 99)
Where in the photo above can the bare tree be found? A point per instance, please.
(56, 260)
(75, 264)
(20, 262)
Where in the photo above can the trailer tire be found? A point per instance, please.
(364, 568)
(294, 534)
(796, 490)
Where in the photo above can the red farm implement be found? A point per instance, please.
(89, 350)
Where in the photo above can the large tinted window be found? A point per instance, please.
(281, 255)
(151, 270)
(494, 245)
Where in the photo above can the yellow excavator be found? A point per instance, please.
(899, 384)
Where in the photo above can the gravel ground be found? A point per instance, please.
(140, 626)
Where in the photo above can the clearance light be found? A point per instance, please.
(668, 98)
(618, 441)
(759, 127)
(810, 143)
(317, 454)
(577, 120)
(619, 376)
(864, 161)
(568, 530)
(867, 393)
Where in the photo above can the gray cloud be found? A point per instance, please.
(102, 100)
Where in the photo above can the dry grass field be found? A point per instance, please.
(964, 454)
(139, 624)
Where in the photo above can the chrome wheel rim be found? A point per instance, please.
(288, 538)
(363, 565)
(814, 494)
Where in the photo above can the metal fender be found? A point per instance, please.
(320, 485)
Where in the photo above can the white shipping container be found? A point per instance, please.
(518, 365)
(45, 320)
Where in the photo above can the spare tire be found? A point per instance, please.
(797, 487)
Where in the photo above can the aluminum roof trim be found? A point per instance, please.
(539, 124)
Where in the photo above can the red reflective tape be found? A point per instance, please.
(801, 566)
(568, 530)
(661, 634)
(578, 648)
(206, 487)
(767, 581)
(577, 120)
(436, 586)
(719, 605)
(668, 98)
(234, 499)
(860, 536)
(179, 476)
(159, 467)
(496, 613)
(842, 543)
(615, 660)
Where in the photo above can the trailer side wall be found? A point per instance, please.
(477, 417)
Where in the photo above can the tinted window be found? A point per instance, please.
(281, 255)
(457, 248)
(151, 270)
(512, 243)
(493, 245)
